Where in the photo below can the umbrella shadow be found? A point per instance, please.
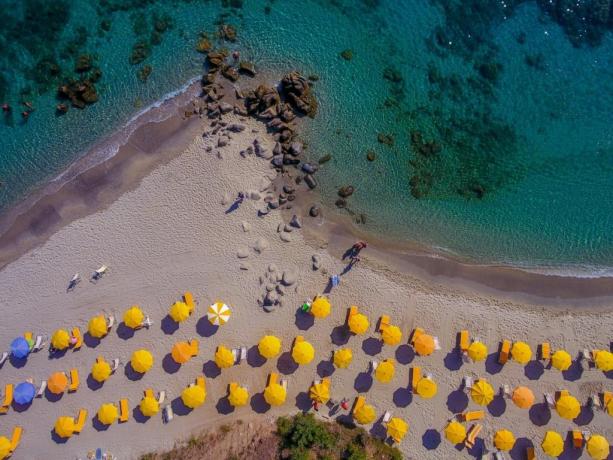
(304, 321)
(303, 402)
(478, 449)
(98, 425)
(93, 384)
(585, 416)
(492, 366)
(457, 401)
(534, 370)
(518, 452)
(259, 404)
(210, 369)
(21, 407)
(431, 439)
(204, 328)
(346, 420)
(539, 414)
(325, 368)
(131, 374)
(90, 341)
(574, 372)
(52, 397)
(223, 406)
(402, 397)
(18, 362)
(56, 438)
(124, 332)
(254, 358)
(57, 354)
(569, 452)
(497, 407)
(168, 325)
(453, 360)
(378, 430)
(286, 364)
(139, 416)
(340, 335)
(170, 365)
(363, 382)
(179, 407)
(372, 346)
(405, 354)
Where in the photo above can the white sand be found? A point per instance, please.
(171, 235)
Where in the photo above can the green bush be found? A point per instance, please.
(355, 452)
(304, 432)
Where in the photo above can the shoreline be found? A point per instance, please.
(157, 134)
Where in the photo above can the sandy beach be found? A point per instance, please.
(171, 232)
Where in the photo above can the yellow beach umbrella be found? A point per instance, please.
(482, 392)
(320, 308)
(218, 314)
(303, 352)
(179, 311)
(477, 351)
(224, 357)
(149, 406)
(553, 444)
(238, 396)
(424, 344)
(455, 432)
(504, 440)
(391, 335)
(397, 429)
(365, 414)
(60, 339)
(133, 317)
(193, 396)
(107, 414)
(181, 352)
(142, 361)
(358, 323)
(604, 360)
(320, 392)
(97, 327)
(385, 371)
(5, 447)
(426, 388)
(523, 397)
(269, 346)
(64, 427)
(101, 370)
(521, 352)
(598, 447)
(561, 360)
(57, 383)
(568, 407)
(342, 358)
(275, 394)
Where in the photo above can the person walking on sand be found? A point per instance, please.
(358, 246)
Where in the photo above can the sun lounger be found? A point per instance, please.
(41, 389)
(74, 380)
(384, 322)
(17, 431)
(8, 398)
(594, 402)
(114, 365)
(39, 344)
(189, 300)
(149, 393)
(124, 411)
(416, 333)
(161, 397)
(167, 414)
(550, 400)
(586, 434)
(146, 323)
(437, 345)
(505, 391)
(76, 333)
(98, 273)
(463, 340)
(4, 357)
(577, 439)
(467, 381)
(81, 419)
(545, 351)
(243, 355)
(373, 366)
(110, 322)
(415, 377)
(505, 349)
(387, 416)
(586, 355)
(284, 384)
(200, 381)
(471, 437)
(530, 453)
(471, 416)
(76, 279)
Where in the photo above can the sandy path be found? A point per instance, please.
(171, 234)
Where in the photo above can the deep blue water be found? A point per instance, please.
(500, 116)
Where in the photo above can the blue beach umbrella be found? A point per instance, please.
(20, 348)
(24, 393)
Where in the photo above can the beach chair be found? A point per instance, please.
(471, 437)
(4, 357)
(415, 377)
(243, 355)
(545, 351)
(8, 398)
(384, 322)
(17, 432)
(594, 402)
(41, 389)
(76, 333)
(387, 416)
(577, 439)
(200, 382)
(76, 279)
(471, 416)
(463, 341)
(468, 382)
(110, 322)
(437, 345)
(505, 391)
(167, 414)
(146, 323)
(505, 349)
(114, 365)
(530, 453)
(549, 399)
(74, 380)
(283, 383)
(416, 333)
(81, 419)
(162, 397)
(124, 410)
(39, 343)
(188, 298)
(373, 366)
(99, 273)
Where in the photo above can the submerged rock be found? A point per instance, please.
(346, 191)
(347, 54)
(247, 68)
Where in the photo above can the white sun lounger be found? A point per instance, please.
(594, 401)
(76, 279)
(110, 321)
(146, 322)
(115, 365)
(98, 273)
(41, 389)
(243, 356)
(373, 365)
(4, 357)
(162, 397)
(387, 416)
(505, 390)
(468, 382)
(550, 400)
(39, 344)
(437, 345)
(284, 384)
(167, 414)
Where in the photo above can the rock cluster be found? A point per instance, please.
(276, 284)
(80, 92)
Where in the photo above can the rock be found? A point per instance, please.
(222, 141)
(295, 222)
(247, 68)
(346, 191)
(226, 199)
(246, 226)
(270, 287)
(84, 63)
(290, 277)
(272, 268)
(371, 155)
(227, 32)
(204, 45)
(277, 161)
(295, 148)
(230, 73)
(271, 297)
(286, 237)
(274, 204)
(226, 108)
(269, 308)
(245, 266)
(316, 258)
(291, 198)
(309, 168)
(143, 74)
(341, 203)
(242, 252)
(288, 189)
(263, 212)
(327, 157)
(261, 245)
(347, 54)
(277, 150)
(310, 181)
(314, 211)
(386, 139)
(280, 290)
(235, 127)
(297, 91)
(254, 195)
(287, 228)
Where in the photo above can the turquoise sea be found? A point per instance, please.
(490, 122)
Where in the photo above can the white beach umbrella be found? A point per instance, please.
(219, 313)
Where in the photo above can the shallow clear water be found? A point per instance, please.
(518, 107)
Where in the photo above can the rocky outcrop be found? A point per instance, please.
(297, 91)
